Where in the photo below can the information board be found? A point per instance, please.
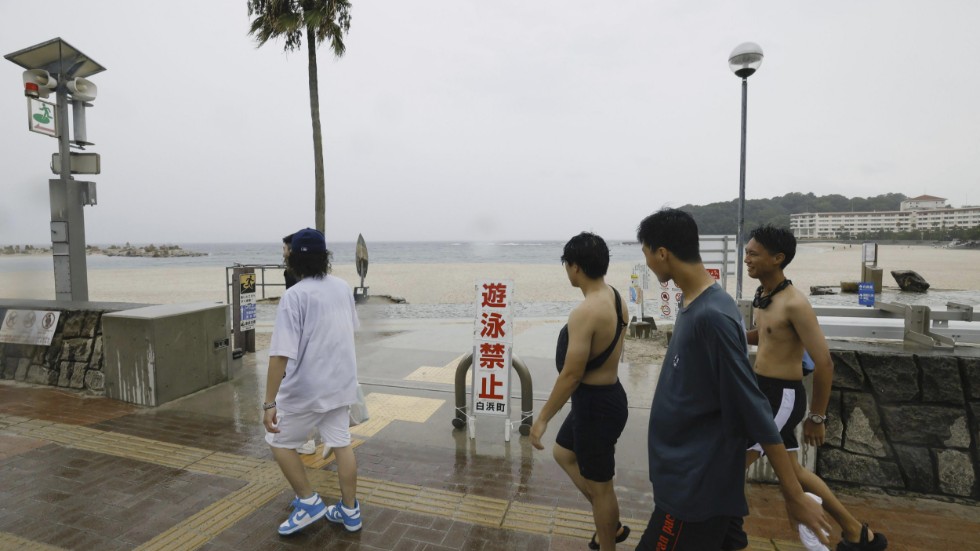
(247, 303)
(34, 327)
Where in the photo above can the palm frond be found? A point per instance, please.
(276, 19)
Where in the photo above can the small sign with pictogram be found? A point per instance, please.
(41, 117)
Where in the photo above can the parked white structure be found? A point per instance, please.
(923, 213)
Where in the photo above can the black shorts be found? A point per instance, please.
(666, 532)
(788, 402)
(592, 428)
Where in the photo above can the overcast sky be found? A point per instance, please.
(504, 120)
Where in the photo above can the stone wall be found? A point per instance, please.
(74, 357)
(905, 420)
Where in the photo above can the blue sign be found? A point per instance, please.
(866, 294)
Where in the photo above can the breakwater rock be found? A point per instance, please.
(150, 251)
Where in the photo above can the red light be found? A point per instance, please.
(31, 90)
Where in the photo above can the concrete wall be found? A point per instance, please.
(905, 419)
(160, 353)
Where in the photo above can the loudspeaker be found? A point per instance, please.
(42, 80)
(82, 89)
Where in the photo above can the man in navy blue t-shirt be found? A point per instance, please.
(706, 406)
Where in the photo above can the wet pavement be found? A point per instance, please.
(80, 472)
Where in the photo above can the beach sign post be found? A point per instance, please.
(493, 343)
(244, 308)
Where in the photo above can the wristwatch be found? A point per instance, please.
(816, 418)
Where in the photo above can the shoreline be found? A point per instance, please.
(823, 264)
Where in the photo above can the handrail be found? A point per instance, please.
(888, 310)
(261, 282)
(919, 321)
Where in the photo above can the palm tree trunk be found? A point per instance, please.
(320, 202)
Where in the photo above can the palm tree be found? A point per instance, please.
(322, 20)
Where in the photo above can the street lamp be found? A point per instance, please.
(744, 60)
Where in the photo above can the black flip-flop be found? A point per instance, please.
(619, 539)
(878, 543)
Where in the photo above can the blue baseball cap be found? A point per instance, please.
(308, 241)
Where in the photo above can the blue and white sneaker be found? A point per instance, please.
(303, 515)
(351, 518)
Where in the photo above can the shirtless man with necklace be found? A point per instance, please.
(785, 326)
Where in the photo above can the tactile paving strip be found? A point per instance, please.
(431, 374)
(10, 542)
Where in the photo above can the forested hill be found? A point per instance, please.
(721, 218)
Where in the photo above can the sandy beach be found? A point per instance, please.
(815, 264)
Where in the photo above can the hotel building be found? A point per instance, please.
(918, 213)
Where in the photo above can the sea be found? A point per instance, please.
(445, 252)
(388, 252)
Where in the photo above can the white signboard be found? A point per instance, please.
(493, 337)
(34, 327)
(41, 117)
(247, 301)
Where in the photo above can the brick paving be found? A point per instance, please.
(83, 472)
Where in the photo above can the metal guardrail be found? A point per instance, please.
(914, 323)
(260, 281)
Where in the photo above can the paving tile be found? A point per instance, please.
(213, 433)
(86, 518)
(123, 477)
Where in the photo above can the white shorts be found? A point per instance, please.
(294, 428)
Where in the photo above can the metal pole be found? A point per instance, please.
(67, 216)
(739, 245)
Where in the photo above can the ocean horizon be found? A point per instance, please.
(380, 252)
(440, 292)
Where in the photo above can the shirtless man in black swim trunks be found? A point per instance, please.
(785, 324)
(588, 353)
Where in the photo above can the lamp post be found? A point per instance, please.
(743, 61)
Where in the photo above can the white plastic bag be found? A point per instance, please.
(358, 410)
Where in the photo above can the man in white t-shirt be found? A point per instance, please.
(312, 381)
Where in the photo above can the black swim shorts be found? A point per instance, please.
(592, 428)
(788, 402)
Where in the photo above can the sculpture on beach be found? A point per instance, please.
(361, 263)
